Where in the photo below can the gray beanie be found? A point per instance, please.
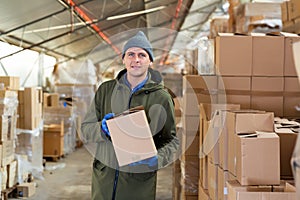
(139, 40)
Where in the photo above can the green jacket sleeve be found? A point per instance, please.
(91, 126)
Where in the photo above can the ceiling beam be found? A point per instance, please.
(79, 13)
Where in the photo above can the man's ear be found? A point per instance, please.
(150, 64)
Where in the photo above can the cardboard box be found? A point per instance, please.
(211, 142)
(198, 89)
(267, 94)
(223, 177)
(53, 140)
(4, 128)
(288, 138)
(207, 111)
(203, 194)
(212, 180)
(238, 192)
(291, 97)
(268, 55)
(131, 137)
(284, 12)
(4, 178)
(287, 145)
(51, 100)
(26, 189)
(7, 152)
(33, 108)
(234, 90)
(289, 63)
(258, 159)
(10, 82)
(245, 121)
(233, 54)
(12, 174)
(293, 9)
(204, 174)
(269, 9)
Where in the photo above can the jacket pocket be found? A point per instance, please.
(142, 176)
(98, 166)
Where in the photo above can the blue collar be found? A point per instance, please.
(139, 86)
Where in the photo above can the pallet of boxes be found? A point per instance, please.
(58, 140)
(29, 140)
(11, 176)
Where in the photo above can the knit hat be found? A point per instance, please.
(139, 40)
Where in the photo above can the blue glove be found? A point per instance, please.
(104, 125)
(151, 162)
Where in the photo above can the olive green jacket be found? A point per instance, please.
(115, 96)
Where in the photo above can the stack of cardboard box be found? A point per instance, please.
(258, 17)
(30, 108)
(29, 142)
(291, 16)
(57, 114)
(8, 119)
(258, 72)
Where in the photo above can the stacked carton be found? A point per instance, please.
(258, 72)
(288, 131)
(8, 119)
(81, 96)
(53, 140)
(29, 151)
(57, 115)
(30, 108)
(258, 17)
(190, 139)
(213, 149)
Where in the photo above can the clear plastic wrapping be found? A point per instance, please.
(29, 152)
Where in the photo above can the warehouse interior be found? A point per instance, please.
(232, 67)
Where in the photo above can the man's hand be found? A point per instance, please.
(104, 125)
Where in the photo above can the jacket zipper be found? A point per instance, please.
(117, 170)
(115, 184)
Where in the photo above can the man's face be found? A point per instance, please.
(136, 61)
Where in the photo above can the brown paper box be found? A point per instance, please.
(267, 94)
(131, 137)
(198, 89)
(233, 54)
(268, 55)
(238, 192)
(289, 63)
(245, 121)
(291, 97)
(234, 90)
(258, 159)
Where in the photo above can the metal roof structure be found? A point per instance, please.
(77, 29)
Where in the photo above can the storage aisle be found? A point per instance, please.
(69, 178)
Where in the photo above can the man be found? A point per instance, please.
(137, 85)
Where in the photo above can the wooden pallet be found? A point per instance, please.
(9, 192)
(54, 158)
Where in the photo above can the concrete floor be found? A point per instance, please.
(70, 178)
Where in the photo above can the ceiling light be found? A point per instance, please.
(135, 13)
